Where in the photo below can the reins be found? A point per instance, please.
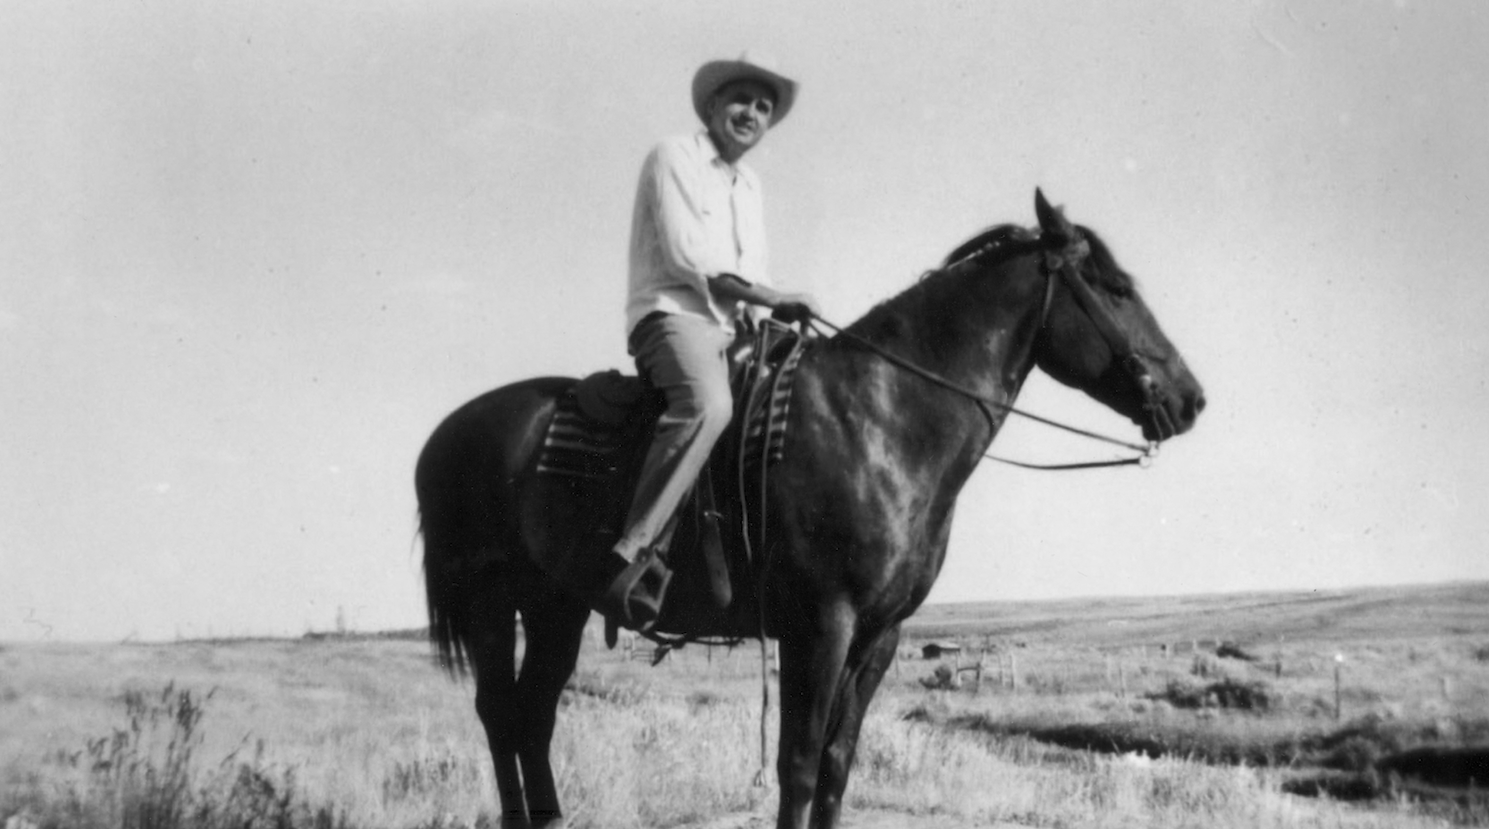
(1057, 264)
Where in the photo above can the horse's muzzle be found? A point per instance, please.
(1170, 414)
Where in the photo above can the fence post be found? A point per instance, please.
(1338, 665)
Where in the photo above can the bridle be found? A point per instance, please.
(1062, 263)
(1066, 263)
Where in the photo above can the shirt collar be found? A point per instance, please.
(711, 154)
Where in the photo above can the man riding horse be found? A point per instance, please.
(697, 263)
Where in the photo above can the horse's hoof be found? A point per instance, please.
(538, 823)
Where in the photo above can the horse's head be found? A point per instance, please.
(1099, 336)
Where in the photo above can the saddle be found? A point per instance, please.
(604, 425)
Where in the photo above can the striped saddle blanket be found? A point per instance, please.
(593, 432)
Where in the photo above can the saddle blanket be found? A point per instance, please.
(577, 445)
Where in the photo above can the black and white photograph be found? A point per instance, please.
(544, 414)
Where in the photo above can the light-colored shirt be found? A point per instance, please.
(695, 217)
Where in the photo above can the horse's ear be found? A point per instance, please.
(1052, 220)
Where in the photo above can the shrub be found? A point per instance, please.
(1181, 693)
(423, 776)
(1231, 650)
(147, 776)
(1224, 693)
(1246, 696)
(1355, 753)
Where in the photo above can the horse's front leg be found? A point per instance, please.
(863, 672)
(812, 660)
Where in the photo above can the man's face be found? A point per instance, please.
(738, 116)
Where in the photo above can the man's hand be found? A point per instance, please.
(783, 306)
(794, 307)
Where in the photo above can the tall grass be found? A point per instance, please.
(330, 735)
(149, 774)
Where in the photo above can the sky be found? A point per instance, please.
(254, 252)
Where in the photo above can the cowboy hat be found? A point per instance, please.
(753, 67)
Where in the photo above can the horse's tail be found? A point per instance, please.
(449, 526)
(446, 628)
(465, 512)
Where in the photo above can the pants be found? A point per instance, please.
(687, 358)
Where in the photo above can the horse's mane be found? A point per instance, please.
(921, 300)
(1005, 238)
(981, 252)
(1103, 271)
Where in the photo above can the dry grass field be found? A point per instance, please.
(1092, 713)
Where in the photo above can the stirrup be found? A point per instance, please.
(634, 598)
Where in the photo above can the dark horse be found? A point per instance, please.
(859, 508)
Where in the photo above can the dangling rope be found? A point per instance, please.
(768, 392)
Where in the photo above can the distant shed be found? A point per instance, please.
(937, 650)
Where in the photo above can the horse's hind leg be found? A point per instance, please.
(553, 623)
(491, 645)
(860, 683)
(518, 710)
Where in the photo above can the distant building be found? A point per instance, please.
(937, 650)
